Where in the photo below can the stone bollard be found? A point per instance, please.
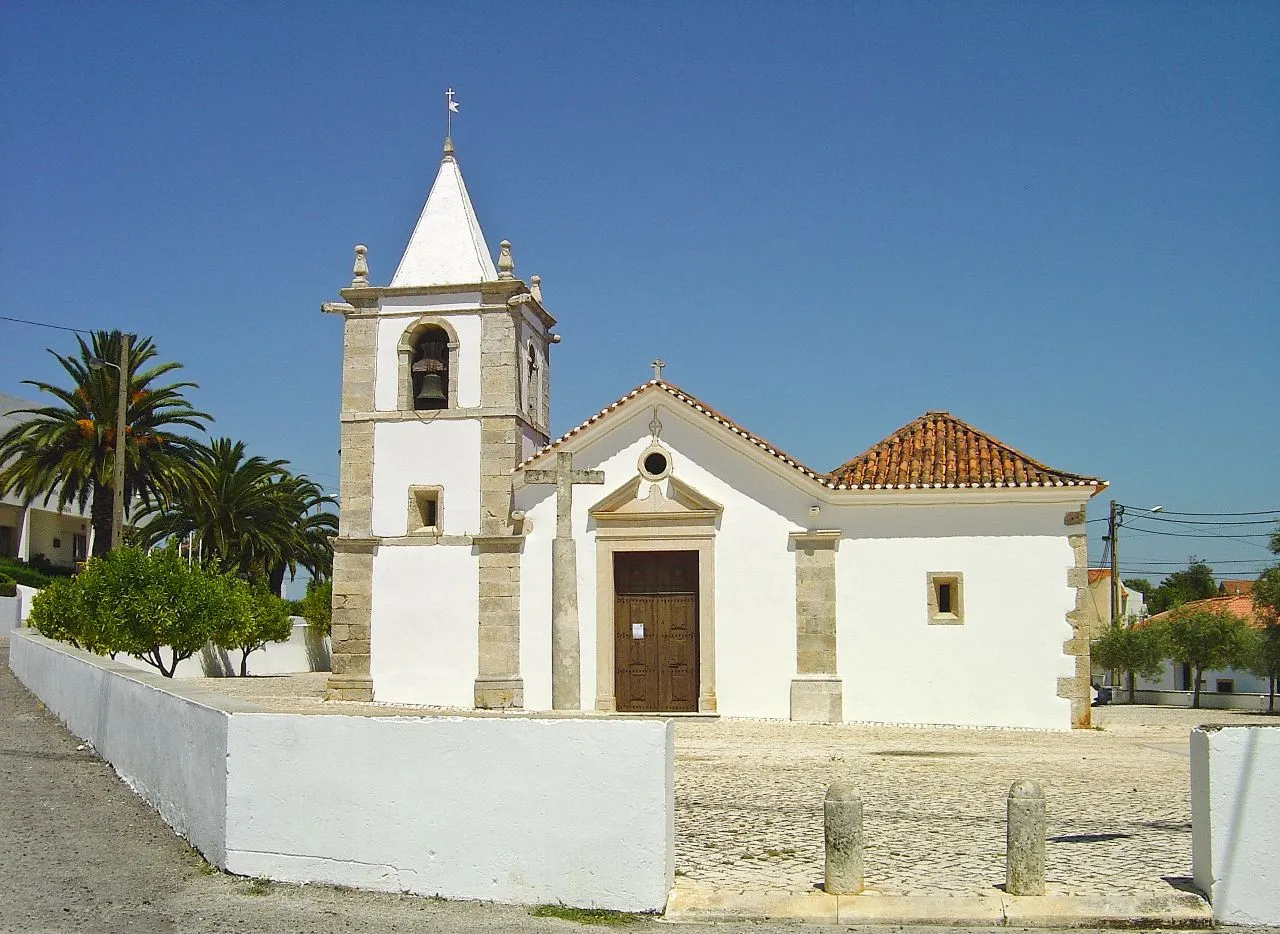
(1024, 840)
(843, 830)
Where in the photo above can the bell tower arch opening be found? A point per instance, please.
(428, 366)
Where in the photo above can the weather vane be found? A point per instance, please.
(451, 108)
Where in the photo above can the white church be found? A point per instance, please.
(660, 558)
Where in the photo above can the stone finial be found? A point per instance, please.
(448, 147)
(535, 286)
(360, 271)
(506, 265)
(657, 368)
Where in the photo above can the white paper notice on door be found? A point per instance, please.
(637, 630)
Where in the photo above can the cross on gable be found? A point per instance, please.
(564, 477)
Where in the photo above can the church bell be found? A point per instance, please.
(431, 389)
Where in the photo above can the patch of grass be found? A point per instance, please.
(259, 886)
(1099, 727)
(601, 916)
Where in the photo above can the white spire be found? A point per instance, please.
(447, 246)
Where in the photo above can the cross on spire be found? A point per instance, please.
(450, 108)
(657, 368)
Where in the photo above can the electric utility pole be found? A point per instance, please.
(1114, 519)
(122, 413)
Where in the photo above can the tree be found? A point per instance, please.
(317, 605)
(1204, 639)
(1141, 585)
(1195, 582)
(1135, 650)
(259, 617)
(1261, 655)
(249, 514)
(69, 448)
(153, 606)
(1266, 593)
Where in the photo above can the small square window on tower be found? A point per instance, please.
(946, 597)
(425, 510)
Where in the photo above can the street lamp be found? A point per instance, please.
(1115, 520)
(122, 405)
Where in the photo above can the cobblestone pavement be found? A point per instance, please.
(749, 796)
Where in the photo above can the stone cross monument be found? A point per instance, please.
(566, 663)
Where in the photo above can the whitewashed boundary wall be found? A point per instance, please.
(167, 741)
(1235, 821)
(514, 809)
(509, 810)
(14, 610)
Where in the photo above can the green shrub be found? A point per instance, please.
(152, 606)
(317, 605)
(257, 617)
(27, 575)
(8, 586)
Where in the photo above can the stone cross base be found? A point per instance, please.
(349, 687)
(499, 693)
(817, 699)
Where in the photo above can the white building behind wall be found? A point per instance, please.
(39, 528)
(938, 577)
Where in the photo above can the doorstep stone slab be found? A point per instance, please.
(693, 902)
(970, 910)
(700, 903)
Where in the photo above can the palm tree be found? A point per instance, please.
(249, 514)
(69, 448)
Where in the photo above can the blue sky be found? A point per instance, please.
(1057, 221)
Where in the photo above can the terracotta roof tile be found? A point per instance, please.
(692, 402)
(1235, 588)
(935, 451)
(939, 450)
(1239, 606)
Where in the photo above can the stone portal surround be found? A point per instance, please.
(1076, 687)
(816, 691)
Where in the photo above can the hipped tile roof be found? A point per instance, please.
(1241, 607)
(938, 450)
(933, 452)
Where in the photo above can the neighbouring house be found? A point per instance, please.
(1097, 608)
(39, 528)
(1235, 588)
(1174, 686)
(660, 557)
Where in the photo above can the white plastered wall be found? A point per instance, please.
(425, 624)
(1000, 666)
(426, 805)
(755, 638)
(391, 330)
(443, 453)
(1235, 821)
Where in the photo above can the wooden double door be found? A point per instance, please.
(655, 625)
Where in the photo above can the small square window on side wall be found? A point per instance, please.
(426, 510)
(946, 597)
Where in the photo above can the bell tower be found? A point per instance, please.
(444, 391)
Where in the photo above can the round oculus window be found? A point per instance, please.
(655, 463)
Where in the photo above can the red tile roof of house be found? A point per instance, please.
(1238, 606)
(1235, 588)
(940, 450)
(935, 451)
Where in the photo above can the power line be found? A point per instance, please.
(1236, 538)
(1168, 512)
(1201, 523)
(41, 324)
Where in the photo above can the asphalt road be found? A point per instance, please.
(79, 852)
